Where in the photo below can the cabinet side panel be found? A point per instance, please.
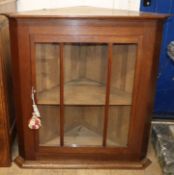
(7, 75)
(16, 89)
(7, 119)
(22, 87)
(4, 114)
(145, 78)
(155, 46)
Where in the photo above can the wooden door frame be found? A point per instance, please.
(58, 39)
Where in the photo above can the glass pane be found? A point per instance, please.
(49, 133)
(122, 79)
(83, 126)
(123, 69)
(85, 67)
(118, 126)
(47, 73)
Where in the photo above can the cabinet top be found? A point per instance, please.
(87, 12)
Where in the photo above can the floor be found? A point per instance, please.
(163, 140)
(153, 169)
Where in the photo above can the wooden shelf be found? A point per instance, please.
(52, 142)
(79, 136)
(84, 92)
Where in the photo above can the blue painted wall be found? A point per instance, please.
(164, 101)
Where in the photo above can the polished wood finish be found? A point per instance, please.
(107, 94)
(4, 114)
(7, 120)
(133, 42)
(85, 165)
(87, 12)
(61, 95)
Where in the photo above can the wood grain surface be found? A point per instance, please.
(87, 12)
(7, 120)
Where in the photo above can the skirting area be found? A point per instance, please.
(152, 169)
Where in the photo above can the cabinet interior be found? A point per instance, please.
(85, 81)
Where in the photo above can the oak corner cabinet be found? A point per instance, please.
(93, 71)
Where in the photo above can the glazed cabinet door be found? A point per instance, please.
(84, 93)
